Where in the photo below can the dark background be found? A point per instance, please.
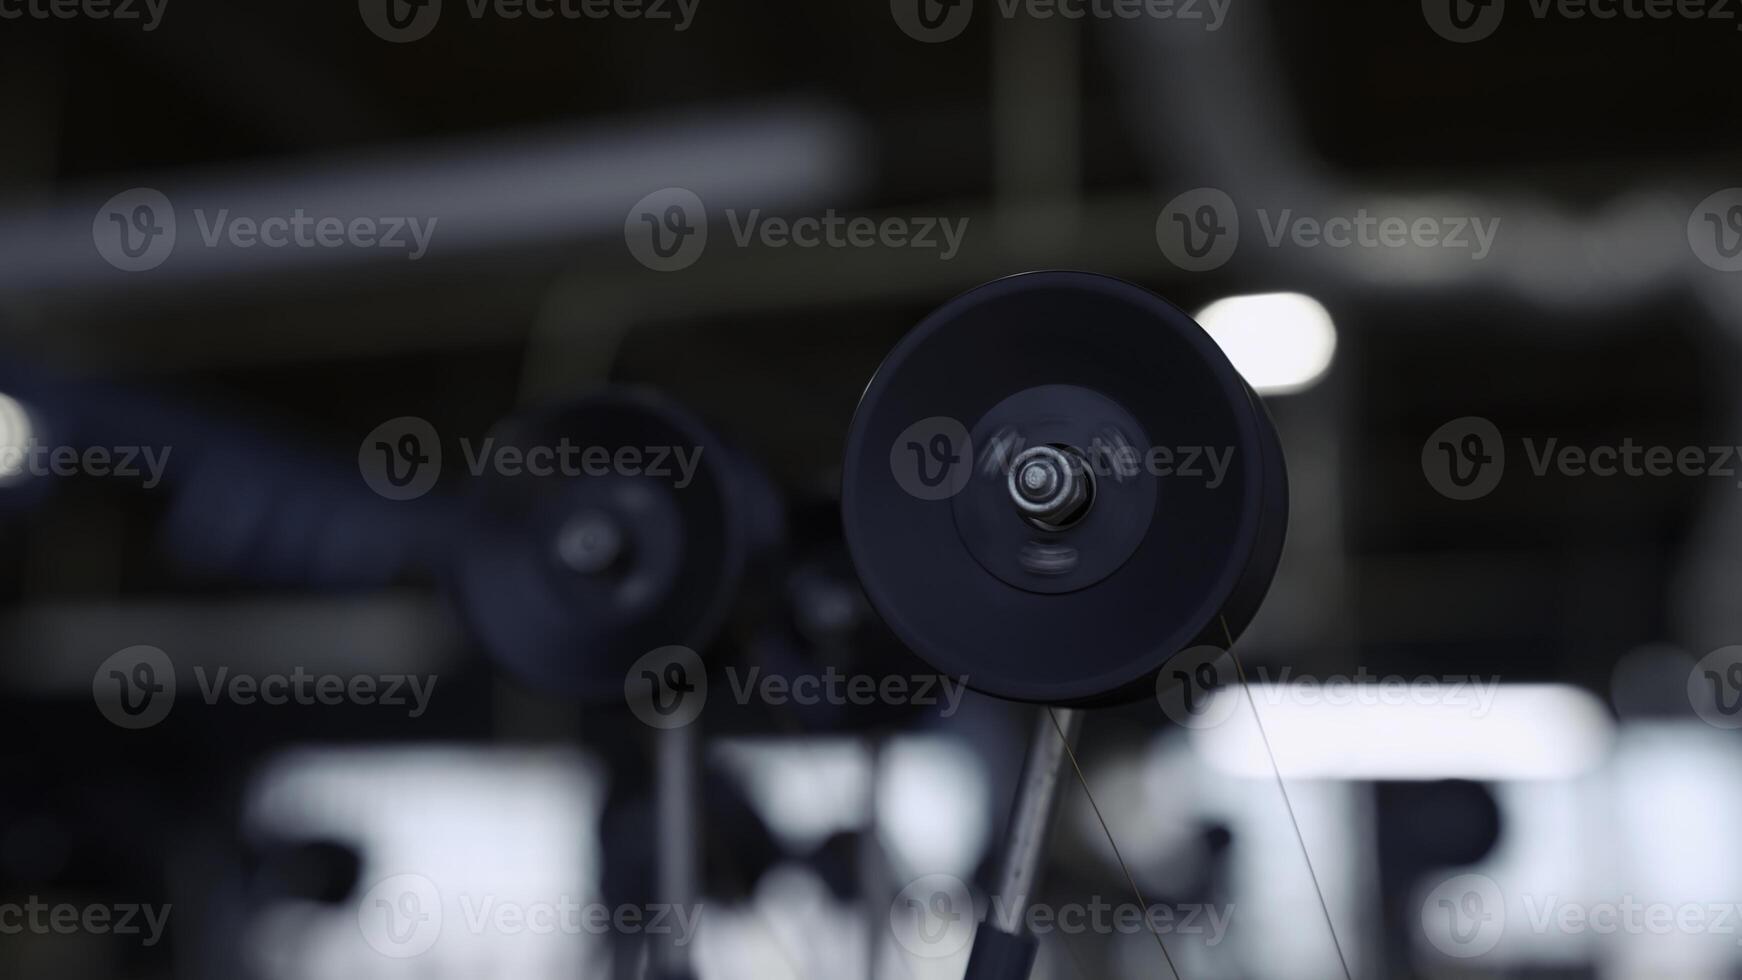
(1591, 141)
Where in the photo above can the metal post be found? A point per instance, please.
(1005, 950)
(679, 855)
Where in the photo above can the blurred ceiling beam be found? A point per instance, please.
(484, 192)
(455, 305)
(53, 649)
(1211, 110)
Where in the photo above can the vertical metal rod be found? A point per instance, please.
(874, 866)
(679, 855)
(1031, 816)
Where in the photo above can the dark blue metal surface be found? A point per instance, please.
(1202, 554)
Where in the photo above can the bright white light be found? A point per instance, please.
(16, 431)
(1279, 342)
(1376, 732)
(933, 804)
(489, 829)
(932, 800)
(805, 790)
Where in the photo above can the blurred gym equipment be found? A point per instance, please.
(1041, 557)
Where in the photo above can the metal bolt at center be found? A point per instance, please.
(1048, 486)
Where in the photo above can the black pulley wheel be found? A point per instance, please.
(635, 537)
(1055, 483)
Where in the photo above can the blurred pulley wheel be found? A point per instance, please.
(635, 535)
(1056, 482)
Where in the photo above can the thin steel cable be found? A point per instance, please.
(1299, 838)
(1132, 881)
